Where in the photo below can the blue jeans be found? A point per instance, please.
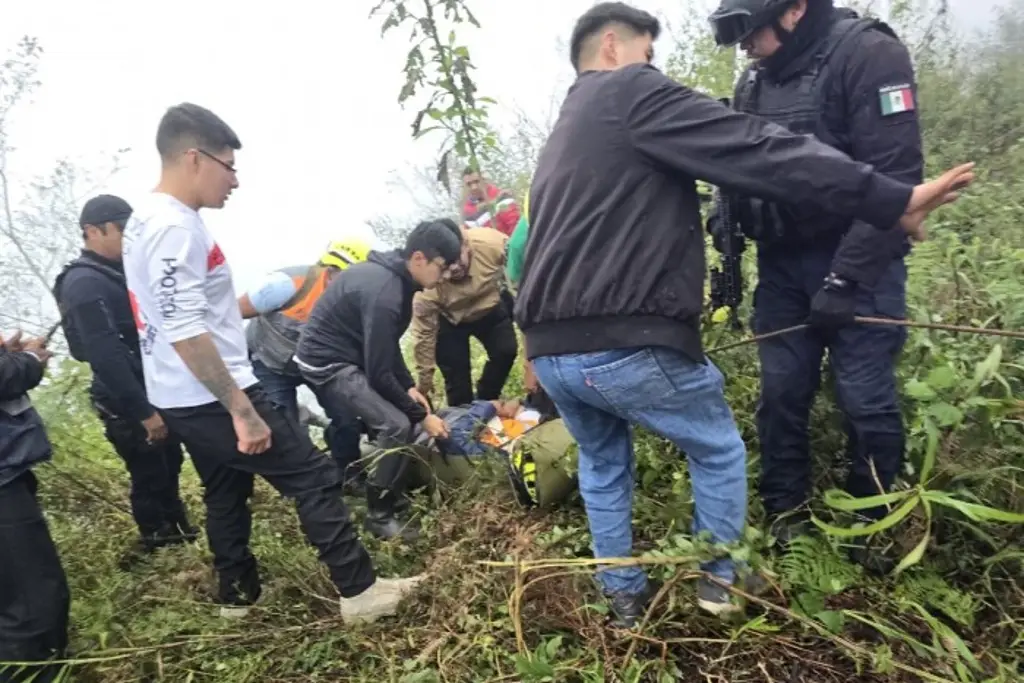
(600, 395)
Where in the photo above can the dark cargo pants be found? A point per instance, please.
(345, 390)
(34, 596)
(863, 361)
(154, 470)
(295, 468)
(498, 336)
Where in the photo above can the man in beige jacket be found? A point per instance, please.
(469, 304)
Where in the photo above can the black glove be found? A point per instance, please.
(833, 307)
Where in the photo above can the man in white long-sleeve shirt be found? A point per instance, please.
(198, 374)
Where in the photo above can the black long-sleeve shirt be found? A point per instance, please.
(20, 373)
(23, 441)
(359, 320)
(891, 142)
(101, 331)
(615, 257)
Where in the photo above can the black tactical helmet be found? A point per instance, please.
(735, 20)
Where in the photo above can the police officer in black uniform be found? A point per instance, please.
(823, 71)
(100, 328)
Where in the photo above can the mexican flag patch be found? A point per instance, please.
(896, 99)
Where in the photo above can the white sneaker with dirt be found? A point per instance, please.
(379, 600)
(234, 611)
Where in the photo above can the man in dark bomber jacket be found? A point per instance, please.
(350, 349)
(34, 596)
(612, 285)
(101, 331)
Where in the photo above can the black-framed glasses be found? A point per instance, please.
(224, 164)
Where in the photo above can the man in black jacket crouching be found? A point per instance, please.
(350, 350)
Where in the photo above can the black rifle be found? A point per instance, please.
(727, 281)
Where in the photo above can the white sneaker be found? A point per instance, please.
(379, 600)
(234, 611)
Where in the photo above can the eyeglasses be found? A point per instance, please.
(224, 164)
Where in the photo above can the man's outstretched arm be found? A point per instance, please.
(885, 132)
(699, 136)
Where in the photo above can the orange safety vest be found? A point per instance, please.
(273, 337)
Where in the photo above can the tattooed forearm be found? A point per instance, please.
(202, 358)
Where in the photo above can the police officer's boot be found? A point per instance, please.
(354, 482)
(188, 532)
(177, 531)
(789, 527)
(873, 553)
(386, 517)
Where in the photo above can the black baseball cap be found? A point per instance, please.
(104, 208)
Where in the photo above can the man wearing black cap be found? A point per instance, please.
(100, 328)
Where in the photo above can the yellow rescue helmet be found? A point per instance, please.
(344, 253)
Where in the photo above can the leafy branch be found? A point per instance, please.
(939, 415)
(38, 216)
(441, 67)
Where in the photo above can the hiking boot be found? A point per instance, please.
(188, 532)
(403, 506)
(239, 591)
(873, 557)
(354, 487)
(384, 517)
(628, 609)
(718, 600)
(388, 526)
(379, 600)
(789, 528)
(173, 533)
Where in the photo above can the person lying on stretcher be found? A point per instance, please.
(538, 453)
(481, 426)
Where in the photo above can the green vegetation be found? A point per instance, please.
(956, 612)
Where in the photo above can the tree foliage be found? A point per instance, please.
(442, 66)
(39, 229)
(954, 616)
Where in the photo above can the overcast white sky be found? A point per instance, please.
(309, 87)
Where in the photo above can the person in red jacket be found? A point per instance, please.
(486, 206)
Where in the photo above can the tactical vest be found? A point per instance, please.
(273, 337)
(799, 104)
(126, 329)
